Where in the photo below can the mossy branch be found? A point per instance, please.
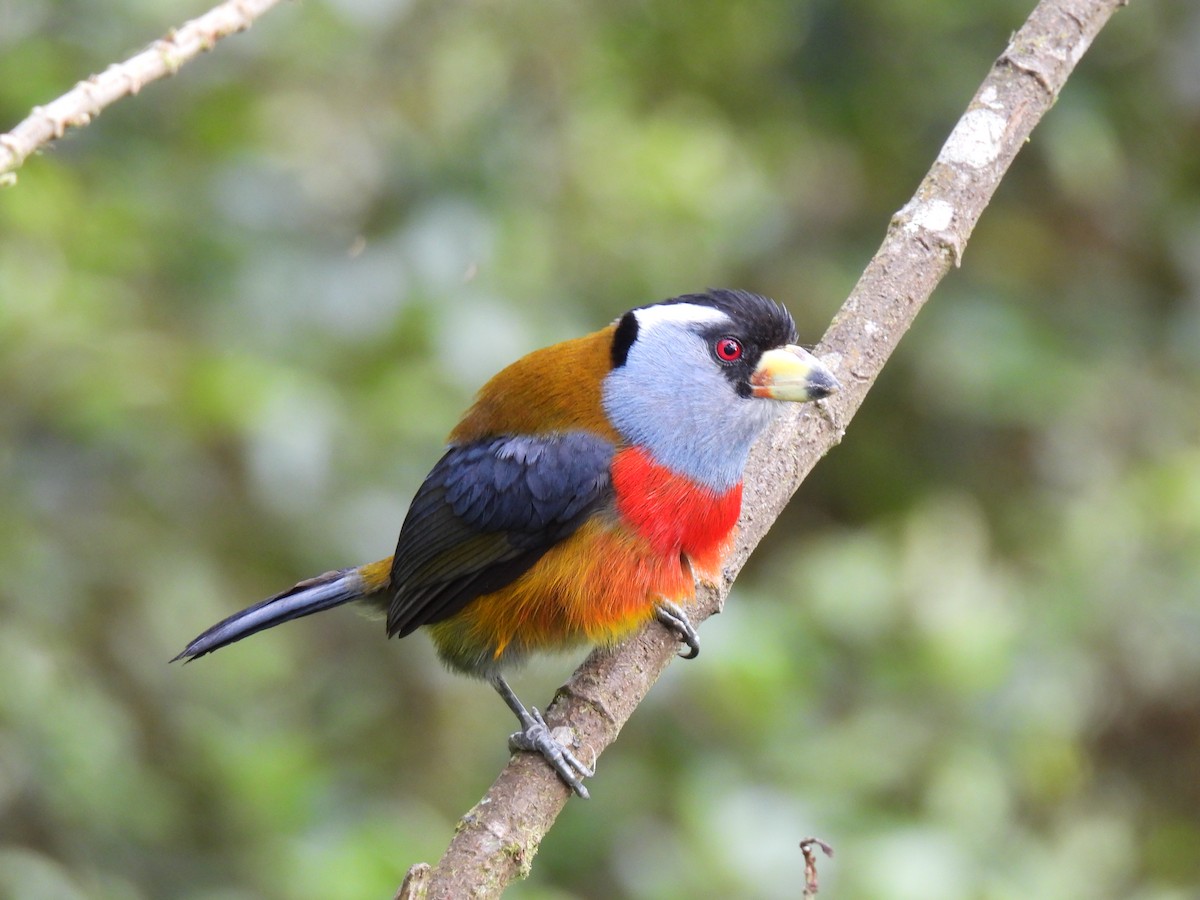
(495, 842)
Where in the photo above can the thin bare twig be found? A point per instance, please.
(78, 106)
(496, 841)
(812, 883)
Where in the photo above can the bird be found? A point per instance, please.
(580, 496)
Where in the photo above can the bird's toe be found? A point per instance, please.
(537, 738)
(675, 620)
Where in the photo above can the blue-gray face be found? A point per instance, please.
(680, 381)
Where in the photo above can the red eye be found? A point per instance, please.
(728, 349)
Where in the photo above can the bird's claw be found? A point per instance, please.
(675, 620)
(536, 738)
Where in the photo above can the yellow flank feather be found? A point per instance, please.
(375, 576)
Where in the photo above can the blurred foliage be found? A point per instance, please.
(239, 312)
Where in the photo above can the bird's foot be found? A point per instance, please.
(536, 738)
(676, 621)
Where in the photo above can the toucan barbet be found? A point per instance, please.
(584, 491)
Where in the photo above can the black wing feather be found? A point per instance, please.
(486, 513)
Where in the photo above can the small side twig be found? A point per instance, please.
(78, 106)
(416, 882)
(811, 883)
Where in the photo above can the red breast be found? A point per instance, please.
(672, 513)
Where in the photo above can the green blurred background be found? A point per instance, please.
(239, 313)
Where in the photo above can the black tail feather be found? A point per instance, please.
(308, 597)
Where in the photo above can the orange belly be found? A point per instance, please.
(595, 587)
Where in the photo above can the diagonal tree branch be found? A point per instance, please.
(496, 841)
(78, 106)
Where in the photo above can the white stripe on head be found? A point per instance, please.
(650, 316)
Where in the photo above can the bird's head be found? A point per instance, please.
(696, 379)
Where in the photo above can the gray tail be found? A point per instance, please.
(308, 597)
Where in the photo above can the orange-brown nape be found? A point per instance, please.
(578, 497)
(553, 389)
